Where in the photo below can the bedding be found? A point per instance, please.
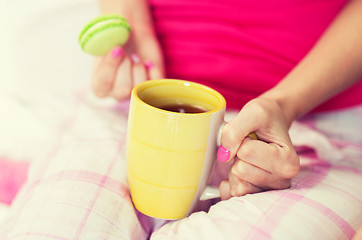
(72, 146)
(77, 187)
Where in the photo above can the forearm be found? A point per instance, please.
(116, 6)
(333, 64)
(135, 11)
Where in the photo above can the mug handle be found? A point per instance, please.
(213, 192)
(210, 193)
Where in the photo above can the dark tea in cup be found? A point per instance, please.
(183, 108)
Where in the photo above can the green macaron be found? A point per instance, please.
(103, 33)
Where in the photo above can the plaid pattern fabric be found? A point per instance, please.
(78, 189)
(12, 176)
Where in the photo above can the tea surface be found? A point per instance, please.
(183, 108)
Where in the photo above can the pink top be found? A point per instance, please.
(243, 48)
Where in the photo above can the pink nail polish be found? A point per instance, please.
(135, 58)
(148, 64)
(117, 52)
(223, 154)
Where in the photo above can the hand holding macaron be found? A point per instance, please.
(127, 52)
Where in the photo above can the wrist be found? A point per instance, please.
(288, 107)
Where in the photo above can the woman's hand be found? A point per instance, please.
(267, 163)
(139, 60)
(271, 162)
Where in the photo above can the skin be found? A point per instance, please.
(358, 235)
(271, 162)
(331, 66)
(116, 76)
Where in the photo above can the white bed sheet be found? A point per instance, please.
(4, 209)
(40, 61)
(44, 79)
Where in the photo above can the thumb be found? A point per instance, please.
(105, 71)
(234, 132)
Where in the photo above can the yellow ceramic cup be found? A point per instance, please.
(170, 155)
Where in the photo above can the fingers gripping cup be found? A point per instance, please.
(171, 145)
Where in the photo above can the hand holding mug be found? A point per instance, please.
(268, 163)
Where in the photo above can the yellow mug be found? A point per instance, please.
(171, 145)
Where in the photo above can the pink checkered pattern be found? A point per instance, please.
(78, 189)
(12, 176)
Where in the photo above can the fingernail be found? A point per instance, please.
(117, 52)
(148, 64)
(135, 58)
(223, 154)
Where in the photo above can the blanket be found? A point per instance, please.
(77, 186)
(62, 152)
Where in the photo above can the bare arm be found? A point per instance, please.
(135, 11)
(333, 64)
